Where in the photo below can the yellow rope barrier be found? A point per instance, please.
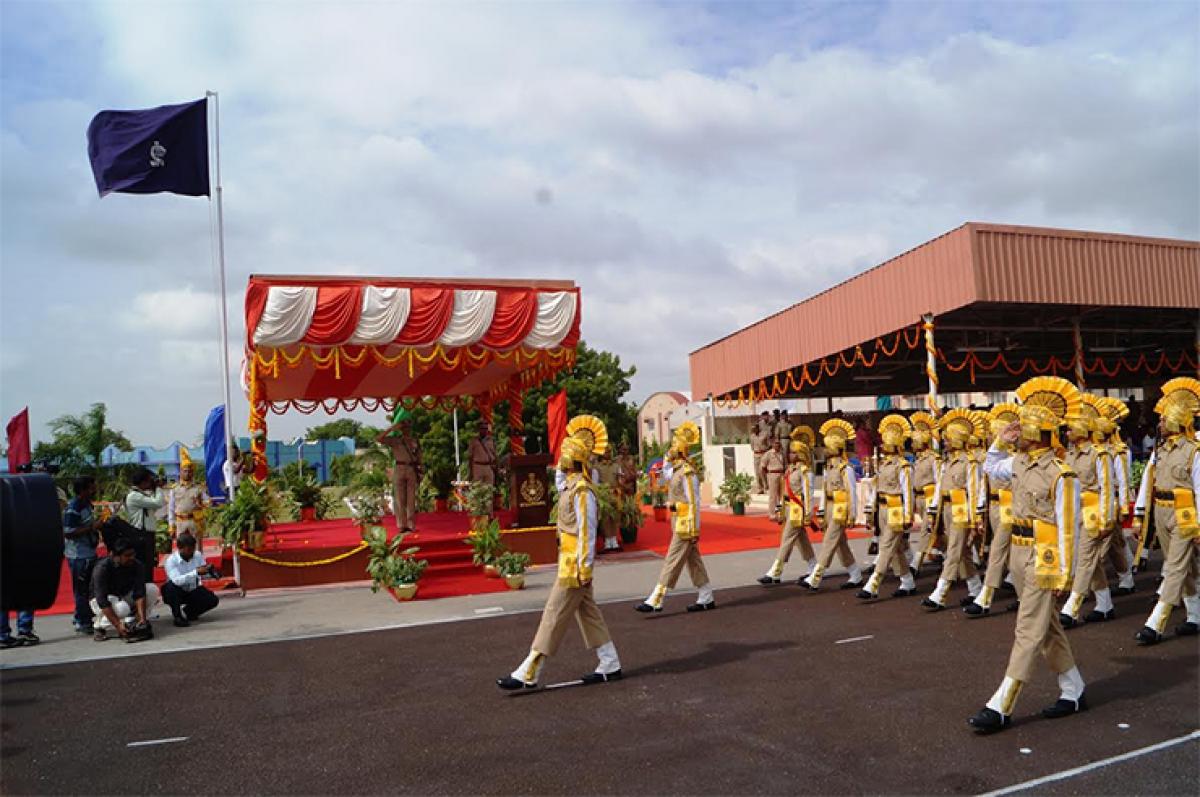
(344, 555)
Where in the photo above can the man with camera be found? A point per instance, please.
(183, 592)
(120, 595)
(142, 505)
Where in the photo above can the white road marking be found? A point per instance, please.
(490, 610)
(1026, 751)
(854, 639)
(1123, 726)
(168, 740)
(1070, 773)
(576, 682)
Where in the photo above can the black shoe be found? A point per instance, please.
(904, 593)
(803, 582)
(28, 638)
(181, 621)
(868, 571)
(931, 605)
(989, 721)
(1067, 621)
(1187, 629)
(1147, 636)
(974, 610)
(864, 595)
(1006, 587)
(1096, 616)
(1124, 591)
(99, 635)
(647, 608)
(967, 601)
(510, 684)
(873, 548)
(84, 629)
(10, 642)
(851, 584)
(1014, 606)
(702, 607)
(1065, 708)
(600, 677)
(767, 581)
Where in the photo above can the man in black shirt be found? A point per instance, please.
(120, 595)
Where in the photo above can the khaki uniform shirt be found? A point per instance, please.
(772, 462)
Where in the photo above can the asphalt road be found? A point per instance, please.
(755, 697)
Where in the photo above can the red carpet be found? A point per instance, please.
(450, 572)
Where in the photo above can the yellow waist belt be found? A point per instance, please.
(841, 506)
(571, 571)
(1090, 505)
(929, 490)
(960, 509)
(1186, 522)
(1052, 570)
(795, 513)
(685, 520)
(895, 510)
(1006, 513)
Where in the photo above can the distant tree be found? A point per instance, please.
(363, 435)
(79, 441)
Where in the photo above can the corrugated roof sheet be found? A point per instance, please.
(974, 263)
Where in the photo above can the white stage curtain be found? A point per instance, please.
(556, 314)
(472, 316)
(384, 312)
(287, 315)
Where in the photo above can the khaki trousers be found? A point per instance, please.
(683, 552)
(958, 563)
(760, 479)
(774, 491)
(483, 473)
(404, 495)
(793, 537)
(891, 546)
(1179, 559)
(835, 542)
(1115, 551)
(1089, 561)
(563, 604)
(921, 536)
(998, 552)
(1038, 629)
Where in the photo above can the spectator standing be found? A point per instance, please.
(82, 535)
(142, 504)
(25, 635)
(120, 595)
(183, 592)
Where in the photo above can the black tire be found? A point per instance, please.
(31, 541)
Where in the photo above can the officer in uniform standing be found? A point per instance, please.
(1045, 521)
(482, 454)
(1173, 485)
(406, 471)
(683, 496)
(838, 508)
(783, 430)
(956, 497)
(774, 465)
(572, 597)
(1000, 516)
(187, 501)
(893, 511)
(760, 443)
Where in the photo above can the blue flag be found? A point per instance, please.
(151, 151)
(214, 452)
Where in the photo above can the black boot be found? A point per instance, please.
(974, 610)
(645, 607)
(1147, 636)
(601, 677)
(1067, 621)
(1065, 708)
(904, 593)
(702, 607)
(989, 721)
(1097, 616)
(510, 684)
(1187, 629)
(767, 581)
(931, 605)
(864, 595)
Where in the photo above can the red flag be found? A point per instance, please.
(556, 421)
(18, 441)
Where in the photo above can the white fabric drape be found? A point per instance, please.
(472, 316)
(287, 315)
(384, 313)
(556, 314)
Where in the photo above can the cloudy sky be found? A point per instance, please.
(693, 166)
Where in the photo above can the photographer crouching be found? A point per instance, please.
(183, 592)
(121, 595)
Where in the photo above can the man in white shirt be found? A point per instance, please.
(183, 592)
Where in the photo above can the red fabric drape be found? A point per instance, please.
(429, 315)
(516, 312)
(18, 441)
(336, 315)
(256, 302)
(556, 421)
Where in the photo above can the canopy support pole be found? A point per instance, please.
(516, 420)
(1077, 336)
(931, 399)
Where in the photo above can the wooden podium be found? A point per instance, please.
(530, 491)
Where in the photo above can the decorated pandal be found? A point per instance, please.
(340, 344)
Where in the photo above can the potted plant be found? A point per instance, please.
(512, 567)
(486, 546)
(368, 507)
(391, 567)
(245, 518)
(479, 498)
(631, 520)
(643, 489)
(310, 500)
(735, 492)
(660, 504)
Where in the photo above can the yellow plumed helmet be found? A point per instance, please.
(805, 434)
(925, 428)
(185, 459)
(959, 425)
(1114, 409)
(1180, 403)
(590, 432)
(1006, 412)
(799, 447)
(894, 429)
(838, 430)
(1049, 401)
(687, 435)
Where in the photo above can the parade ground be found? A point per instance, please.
(777, 691)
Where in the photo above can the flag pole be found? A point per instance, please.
(216, 105)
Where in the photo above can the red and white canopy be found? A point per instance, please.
(325, 338)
